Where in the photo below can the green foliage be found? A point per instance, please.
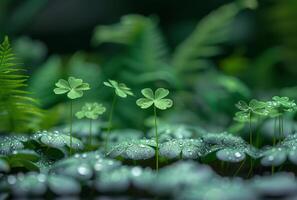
(18, 109)
(254, 107)
(156, 99)
(120, 88)
(280, 105)
(73, 87)
(135, 150)
(91, 111)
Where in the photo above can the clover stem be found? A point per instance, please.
(157, 139)
(90, 128)
(274, 133)
(71, 126)
(282, 122)
(110, 121)
(250, 124)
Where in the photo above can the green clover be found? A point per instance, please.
(92, 112)
(247, 111)
(280, 105)
(158, 100)
(73, 87)
(277, 107)
(120, 88)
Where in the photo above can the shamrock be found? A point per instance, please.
(254, 107)
(247, 110)
(91, 111)
(122, 91)
(73, 87)
(120, 88)
(279, 105)
(156, 99)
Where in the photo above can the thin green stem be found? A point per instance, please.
(157, 139)
(251, 133)
(110, 121)
(274, 133)
(282, 122)
(90, 129)
(71, 116)
(240, 167)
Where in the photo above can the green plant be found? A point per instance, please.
(90, 111)
(277, 108)
(248, 111)
(74, 88)
(18, 109)
(157, 100)
(120, 90)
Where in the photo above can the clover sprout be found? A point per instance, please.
(74, 88)
(158, 100)
(120, 90)
(90, 111)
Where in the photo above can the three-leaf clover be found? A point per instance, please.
(91, 111)
(247, 110)
(254, 107)
(277, 107)
(157, 99)
(121, 90)
(74, 87)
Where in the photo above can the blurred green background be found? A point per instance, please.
(210, 54)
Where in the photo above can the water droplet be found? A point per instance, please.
(136, 171)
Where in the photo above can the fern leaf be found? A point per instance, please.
(17, 109)
(205, 40)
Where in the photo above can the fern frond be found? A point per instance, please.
(17, 108)
(204, 42)
(146, 54)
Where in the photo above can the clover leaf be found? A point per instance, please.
(73, 87)
(247, 110)
(120, 88)
(277, 107)
(90, 111)
(122, 91)
(254, 107)
(156, 99)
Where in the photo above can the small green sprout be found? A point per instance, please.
(90, 111)
(74, 88)
(157, 100)
(121, 90)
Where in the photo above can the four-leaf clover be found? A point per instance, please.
(73, 87)
(91, 111)
(120, 88)
(156, 99)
